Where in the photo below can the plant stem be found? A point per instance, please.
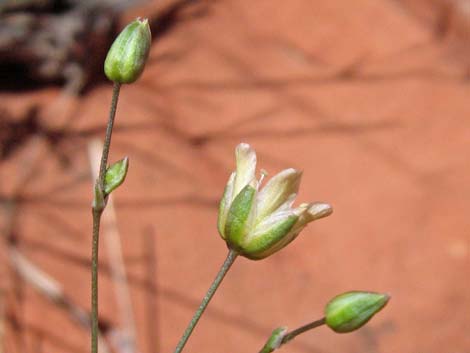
(94, 280)
(97, 211)
(278, 337)
(109, 132)
(291, 335)
(232, 255)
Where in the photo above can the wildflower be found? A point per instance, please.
(256, 222)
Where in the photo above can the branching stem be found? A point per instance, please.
(97, 211)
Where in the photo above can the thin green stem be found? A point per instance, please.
(292, 334)
(279, 337)
(109, 132)
(94, 280)
(232, 255)
(97, 211)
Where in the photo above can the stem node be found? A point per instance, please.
(99, 204)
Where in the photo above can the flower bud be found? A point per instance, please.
(256, 222)
(126, 58)
(351, 310)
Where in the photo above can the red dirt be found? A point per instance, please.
(363, 96)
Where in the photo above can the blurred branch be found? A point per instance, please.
(30, 273)
(48, 287)
(2, 320)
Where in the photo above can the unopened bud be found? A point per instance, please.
(349, 311)
(126, 58)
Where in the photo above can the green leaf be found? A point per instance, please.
(115, 175)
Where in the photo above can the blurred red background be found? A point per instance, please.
(369, 98)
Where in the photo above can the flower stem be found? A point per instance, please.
(232, 255)
(109, 132)
(292, 334)
(97, 211)
(94, 280)
(279, 337)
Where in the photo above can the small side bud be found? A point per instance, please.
(351, 310)
(275, 340)
(126, 58)
(115, 175)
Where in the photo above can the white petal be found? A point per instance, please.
(287, 205)
(279, 191)
(303, 207)
(224, 205)
(246, 166)
(319, 210)
(310, 212)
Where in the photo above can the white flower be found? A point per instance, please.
(258, 222)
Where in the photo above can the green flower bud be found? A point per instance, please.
(126, 58)
(256, 222)
(351, 310)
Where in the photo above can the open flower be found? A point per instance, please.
(258, 222)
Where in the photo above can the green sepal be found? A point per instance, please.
(235, 225)
(351, 310)
(115, 175)
(275, 340)
(259, 247)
